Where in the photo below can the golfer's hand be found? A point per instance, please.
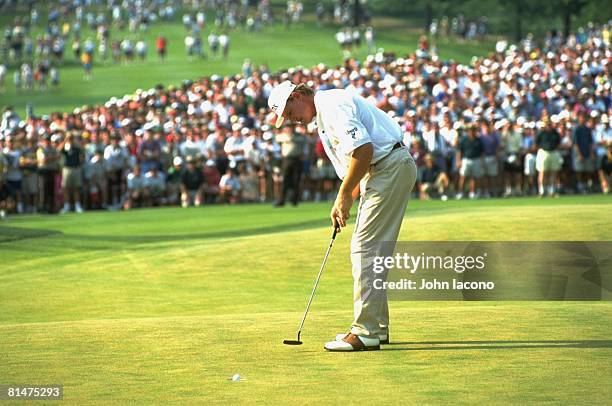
(341, 210)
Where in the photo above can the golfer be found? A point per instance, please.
(365, 146)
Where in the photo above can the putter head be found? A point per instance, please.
(292, 342)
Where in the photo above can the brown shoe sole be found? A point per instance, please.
(357, 345)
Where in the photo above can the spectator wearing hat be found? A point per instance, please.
(432, 180)
(170, 150)
(230, 187)
(95, 175)
(155, 185)
(14, 175)
(72, 172)
(292, 150)
(48, 168)
(603, 136)
(192, 184)
(566, 176)
(437, 145)
(530, 182)
(173, 181)
(490, 143)
(583, 153)
(511, 140)
(212, 177)
(116, 157)
(272, 165)
(469, 159)
(136, 191)
(29, 169)
(215, 148)
(254, 157)
(548, 159)
(235, 145)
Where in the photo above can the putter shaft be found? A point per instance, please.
(314, 288)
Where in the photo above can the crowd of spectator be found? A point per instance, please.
(114, 31)
(459, 27)
(523, 120)
(351, 38)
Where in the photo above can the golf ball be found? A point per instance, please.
(236, 378)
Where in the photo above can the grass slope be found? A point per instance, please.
(165, 305)
(305, 44)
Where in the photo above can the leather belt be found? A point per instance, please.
(396, 146)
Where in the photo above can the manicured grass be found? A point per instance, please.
(164, 305)
(305, 44)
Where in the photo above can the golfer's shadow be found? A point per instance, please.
(494, 345)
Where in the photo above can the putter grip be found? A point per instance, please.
(335, 232)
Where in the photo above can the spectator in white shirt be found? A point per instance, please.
(155, 184)
(224, 44)
(229, 187)
(213, 44)
(135, 189)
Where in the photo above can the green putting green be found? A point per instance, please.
(166, 305)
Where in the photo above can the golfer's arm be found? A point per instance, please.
(358, 167)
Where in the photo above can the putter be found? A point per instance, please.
(298, 342)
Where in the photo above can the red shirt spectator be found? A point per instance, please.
(320, 150)
(161, 45)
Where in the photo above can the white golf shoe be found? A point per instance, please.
(352, 342)
(383, 337)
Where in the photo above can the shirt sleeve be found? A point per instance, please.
(229, 146)
(350, 131)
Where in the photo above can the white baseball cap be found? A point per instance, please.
(278, 100)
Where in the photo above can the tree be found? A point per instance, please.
(521, 11)
(569, 9)
(356, 13)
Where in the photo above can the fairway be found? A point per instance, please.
(165, 305)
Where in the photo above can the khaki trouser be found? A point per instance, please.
(384, 196)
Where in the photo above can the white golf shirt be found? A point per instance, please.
(346, 121)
